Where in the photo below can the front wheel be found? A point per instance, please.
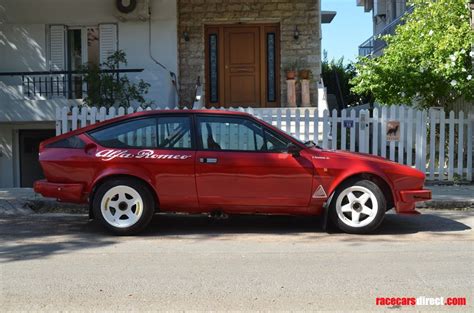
(124, 206)
(358, 207)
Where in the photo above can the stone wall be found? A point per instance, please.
(194, 14)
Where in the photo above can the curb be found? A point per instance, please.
(446, 204)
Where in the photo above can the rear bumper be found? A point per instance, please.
(62, 192)
(408, 199)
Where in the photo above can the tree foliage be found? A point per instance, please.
(337, 78)
(112, 89)
(427, 61)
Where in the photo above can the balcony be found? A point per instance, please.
(43, 85)
(374, 45)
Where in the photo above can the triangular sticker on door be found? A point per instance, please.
(320, 193)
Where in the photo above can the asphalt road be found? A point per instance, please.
(64, 262)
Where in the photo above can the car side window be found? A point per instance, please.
(238, 134)
(168, 132)
(276, 143)
(230, 133)
(174, 132)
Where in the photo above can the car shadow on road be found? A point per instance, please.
(394, 224)
(182, 225)
(43, 235)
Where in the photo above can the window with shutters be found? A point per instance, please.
(70, 47)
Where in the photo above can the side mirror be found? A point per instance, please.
(294, 150)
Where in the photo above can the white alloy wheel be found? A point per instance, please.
(357, 206)
(121, 206)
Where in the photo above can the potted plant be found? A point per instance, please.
(291, 70)
(305, 74)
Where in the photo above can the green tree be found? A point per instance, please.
(337, 78)
(427, 62)
(111, 89)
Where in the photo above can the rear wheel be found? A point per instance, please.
(358, 207)
(125, 206)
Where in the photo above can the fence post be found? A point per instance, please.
(278, 118)
(75, 111)
(102, 113)
(83, 117)
(383, 133)
(451, 147)
(375, 131)
(442, 143)
(316, 126)
(469, 137)
(325, 129)
(401, 142)
(297, 124)
(58, 121)
(343, 130)
(352, 132)
(111, 113)
(121, 111)
(460, 144)
(418, 139)
(334, 129)
(306, 125)
(393, 117)
(64, 119)
(424, 141)
(93, 115)
(288, 121)
(410, 137)
(432, 115)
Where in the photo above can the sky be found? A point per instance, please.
(351, 27)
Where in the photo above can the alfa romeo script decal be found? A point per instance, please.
(108, 155)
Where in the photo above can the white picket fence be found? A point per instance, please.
(434, 141)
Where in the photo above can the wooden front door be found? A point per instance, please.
(242, 65)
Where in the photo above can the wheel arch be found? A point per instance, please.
(97, 183)
(382, 182)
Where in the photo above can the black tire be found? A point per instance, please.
(345, 220)
(148, 205)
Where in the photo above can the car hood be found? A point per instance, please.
(382, 163)
(350, 155)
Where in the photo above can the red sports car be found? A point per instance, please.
(218, 162)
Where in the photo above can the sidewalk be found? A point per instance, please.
(450, 197)
(21, 201)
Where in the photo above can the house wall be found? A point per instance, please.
(24, 47)
(23, 40)
(193, 15)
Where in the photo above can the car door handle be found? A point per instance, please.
(208, 160)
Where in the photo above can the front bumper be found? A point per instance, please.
(408, 199)
(62, 192)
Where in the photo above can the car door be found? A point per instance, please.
(159, 148)
(240, 163)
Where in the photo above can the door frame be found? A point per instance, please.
(21, 134)
(265, 28)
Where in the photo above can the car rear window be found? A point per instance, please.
(168, 132)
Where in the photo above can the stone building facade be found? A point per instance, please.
(302, 15)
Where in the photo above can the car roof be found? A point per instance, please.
(143, 114)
